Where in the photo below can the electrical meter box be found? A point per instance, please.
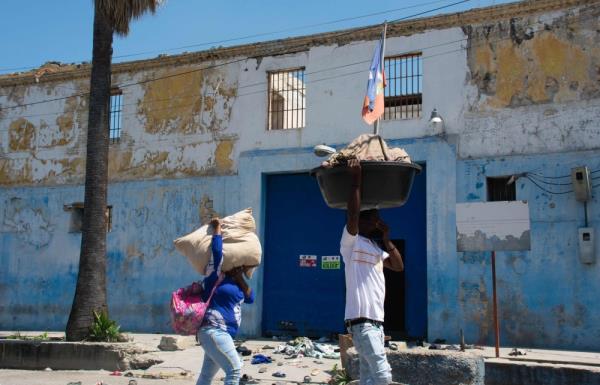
(580, 177)
(586, 245)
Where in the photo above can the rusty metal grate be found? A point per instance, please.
(287, 99)
(404, 77)
(115, 119)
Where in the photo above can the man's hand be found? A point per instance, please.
(384, 228)
(355, 169)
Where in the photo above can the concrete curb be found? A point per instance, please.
(528, 373)
(429, 367)
(31, 355)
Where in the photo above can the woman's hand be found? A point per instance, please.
(216, 225)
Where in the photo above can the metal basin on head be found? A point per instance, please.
(384, 184)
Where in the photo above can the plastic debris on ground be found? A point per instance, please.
(304, 347)
(261, 359)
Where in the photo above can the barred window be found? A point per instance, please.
(287, 99)
(116, 109)
(404, 78)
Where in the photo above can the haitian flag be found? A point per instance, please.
(373, 105)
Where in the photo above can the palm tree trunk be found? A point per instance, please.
(90, 293)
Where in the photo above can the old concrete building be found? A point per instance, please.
(517, 87)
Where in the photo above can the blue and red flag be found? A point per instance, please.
(373, 105)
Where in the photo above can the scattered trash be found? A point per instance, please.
(48, 369)
(262, 369)
(268, 347)
(393, 346)
(315, 372)
(128, 374)
(244, 351)
(261, 359)
(307, 379)
(248, 381)
(435, 347)
(516, 352)
(74, 383)
(279, 374)
(116, 373)
(303, 346)
(318, 362)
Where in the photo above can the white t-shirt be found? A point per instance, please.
(365, 282)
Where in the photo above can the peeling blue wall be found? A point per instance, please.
(547, 297)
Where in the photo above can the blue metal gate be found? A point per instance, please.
(302, 298)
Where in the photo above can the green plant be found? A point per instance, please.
(41, 337)
(19, 336)
(339, 376)
(16, 336)
(103, 329)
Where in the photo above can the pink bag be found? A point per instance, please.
(188, 309)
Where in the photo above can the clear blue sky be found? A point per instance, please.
(37, 31)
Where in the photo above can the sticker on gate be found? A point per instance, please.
(330, 262)
(308, 261)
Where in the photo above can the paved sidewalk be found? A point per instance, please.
(182, 367)
(176, 363)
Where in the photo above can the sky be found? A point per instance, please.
(38, 31)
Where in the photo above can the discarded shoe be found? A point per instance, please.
(244, 351)
(279, 374)
(307, 379)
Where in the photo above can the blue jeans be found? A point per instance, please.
(368, 340)
(219, 352)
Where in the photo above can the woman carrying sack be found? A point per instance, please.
(223, 316)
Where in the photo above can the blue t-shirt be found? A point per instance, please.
(225, 309)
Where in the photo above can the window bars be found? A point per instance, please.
(287, 99)
(404, 78)
(115, 118)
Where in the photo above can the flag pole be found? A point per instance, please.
(382, 61)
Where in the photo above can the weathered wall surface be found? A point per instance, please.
(173, 127)
(535, 91)
(516, 95)
(39, 255)
(535, 84)
(546, 296)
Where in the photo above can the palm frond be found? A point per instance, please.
(121, 12)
